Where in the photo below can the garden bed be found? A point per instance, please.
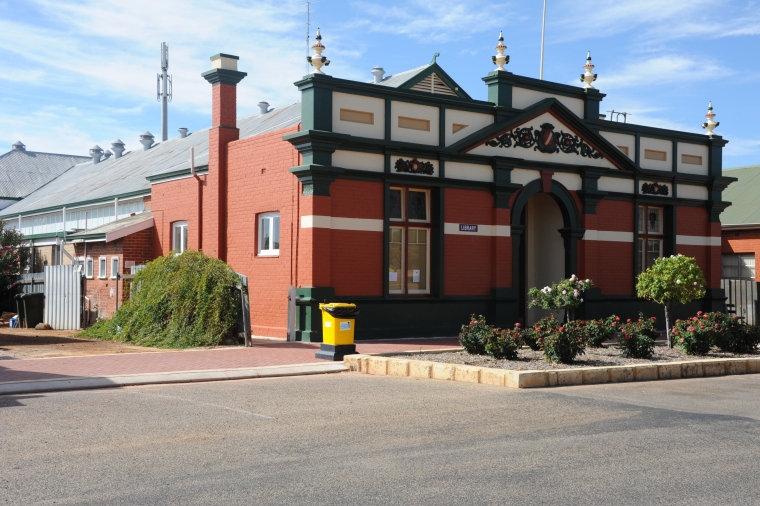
(529, 360)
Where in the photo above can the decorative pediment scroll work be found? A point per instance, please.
(414, 166)
(545, 140)
(655, 189)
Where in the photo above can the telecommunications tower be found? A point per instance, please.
(164, 90)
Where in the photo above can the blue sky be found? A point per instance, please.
(77, 73)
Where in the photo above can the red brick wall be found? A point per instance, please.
(694, 221)
(610, 265)
(744, 242)
(260, 182)
(176, 201)
(137, 248)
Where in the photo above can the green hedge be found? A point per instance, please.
(177, 301)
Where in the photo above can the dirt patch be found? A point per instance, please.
(529, 360)
(31, 343)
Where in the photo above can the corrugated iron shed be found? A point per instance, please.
(22, 172)
(744, 196)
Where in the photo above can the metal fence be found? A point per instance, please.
(742, 298)
(24, 283)
(63, 296)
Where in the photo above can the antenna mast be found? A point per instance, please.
(164, 90)
(308, 26)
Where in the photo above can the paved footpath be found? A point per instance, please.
(264, 353)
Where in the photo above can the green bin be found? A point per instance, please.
(31, 308)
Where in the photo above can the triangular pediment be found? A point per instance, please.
(546, 132)
(433, 79)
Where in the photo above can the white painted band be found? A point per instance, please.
(335, 223)
(483, 230)
(697, 240)
(606, 235)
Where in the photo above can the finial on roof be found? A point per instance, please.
(500, 59)
(19, 146)
(710, 124)
(317, 60)
(436, 55)
(587, 78)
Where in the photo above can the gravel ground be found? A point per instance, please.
(529, 360)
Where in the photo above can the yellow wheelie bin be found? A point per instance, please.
(338, 324)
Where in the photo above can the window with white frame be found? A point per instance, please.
(269, 234)
(650, 237)
(409, 241)
(741, 266)
(114, 267)
(102, 264)
(88, 267)
(179, 236)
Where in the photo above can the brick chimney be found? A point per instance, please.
(224, 77)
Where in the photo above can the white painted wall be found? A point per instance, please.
(533, 154)
(358, 161)
(359, 103)
(418, 112)
(569, 181)
(524, 176)
(475, 120)
(522, 98)
(469, 172)
(545, 248)
(696, 150)
(617, 139)
(616, 184)
(688, 191)
(657, 145)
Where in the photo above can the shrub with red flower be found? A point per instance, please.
(636, 339)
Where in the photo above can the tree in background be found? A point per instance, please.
(674, 279)
(567, 296)
(13, 257)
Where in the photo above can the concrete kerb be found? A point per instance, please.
(83, 383)
(399, 366)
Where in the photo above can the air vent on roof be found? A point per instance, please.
(146, 140)
(19, 146)
(107, 154)
(118, 148)
(434, 84)
(96, 152)
(378, 72)
(263, 107)
(182, 132)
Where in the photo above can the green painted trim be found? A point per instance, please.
(436, 69)
(316, 104)
(653, 132)
(550, 87)
(157, 178)
(308, 314)
(138, 193)
(316, 179)
(223, 76)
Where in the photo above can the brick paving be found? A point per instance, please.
(263, 353)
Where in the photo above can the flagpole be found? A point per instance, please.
(543, 31)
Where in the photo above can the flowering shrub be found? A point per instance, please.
(566, 295)
(473, 337)
(694, 335)
(560, 342)
(12, 256)
(671, 279)
(727, 332)
(636, 339)
(599, 331)
(503, 344)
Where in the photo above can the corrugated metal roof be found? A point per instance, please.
(397, 80)
(744, 196)
(22, 172)
(115, 225)
(86, 182)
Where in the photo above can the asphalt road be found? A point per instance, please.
(356, 439)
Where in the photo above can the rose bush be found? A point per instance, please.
(567, 295)
(636, 338)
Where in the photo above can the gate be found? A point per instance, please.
(742, 298)
(63, 296)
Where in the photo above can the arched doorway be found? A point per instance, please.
(546, 228)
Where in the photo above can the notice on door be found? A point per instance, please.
(393, 277)
(415, 275)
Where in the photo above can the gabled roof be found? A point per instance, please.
(127, 175)
(745, 206)
(430, 78)
(562, 113)
(22, 172)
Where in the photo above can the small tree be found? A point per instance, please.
(12, 256)
(672, 279)
(566, 295)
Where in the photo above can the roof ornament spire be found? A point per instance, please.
(436, 55)
(710, 124)
(500, 59)
(317, 60)
(588, 77)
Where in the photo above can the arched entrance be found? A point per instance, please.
(546, 227)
